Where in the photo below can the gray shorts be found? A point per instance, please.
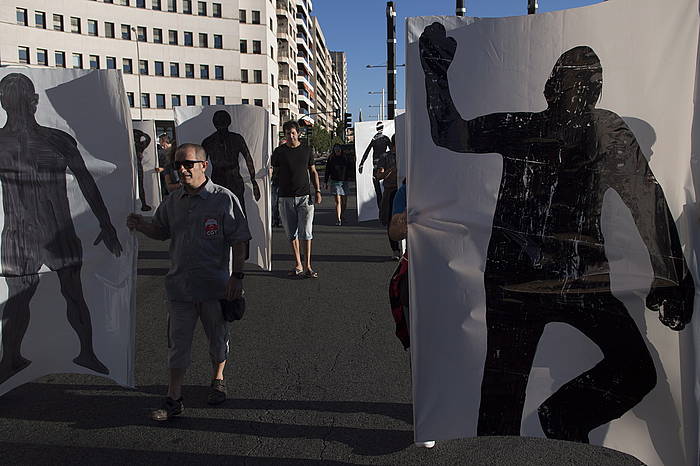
(182, 318)
(297, 215)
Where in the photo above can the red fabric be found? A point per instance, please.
(401, 273)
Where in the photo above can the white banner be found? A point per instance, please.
(551, 197)
(68, 261)
(372, 143)
(146, 147)
(238, 147)
(401, 146)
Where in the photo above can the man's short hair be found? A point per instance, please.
(199, 151)
(163, 137)
(288, 125)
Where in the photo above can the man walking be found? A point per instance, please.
(202, 220)
(294, 165)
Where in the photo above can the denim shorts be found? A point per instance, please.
(297, 215)
(339, 188)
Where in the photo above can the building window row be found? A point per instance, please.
(254, 16)
(186, 6)
(175, 100)
(257, 76)
(125, 31)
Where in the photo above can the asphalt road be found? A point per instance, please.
(316, 376)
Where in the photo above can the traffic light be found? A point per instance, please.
(337, 114)
(348, 121)
(309, 132)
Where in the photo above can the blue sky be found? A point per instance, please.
(358, 27)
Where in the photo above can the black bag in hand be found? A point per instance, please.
(233, 310)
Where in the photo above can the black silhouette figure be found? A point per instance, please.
(546, 260)
(141, 142)
(38, 228)
(380, 145)
(223, 149)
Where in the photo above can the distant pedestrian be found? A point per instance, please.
(204, 222)
(165, 155)
(294, 163)
(335, 179)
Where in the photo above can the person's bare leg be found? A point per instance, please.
(176, 377)
(297, 254)
(217, 370)
(307, 254)
(338, 208)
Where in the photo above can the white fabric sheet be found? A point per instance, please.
(366, 132)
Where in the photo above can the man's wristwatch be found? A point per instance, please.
(238, 275)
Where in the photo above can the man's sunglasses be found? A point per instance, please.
(188, 164)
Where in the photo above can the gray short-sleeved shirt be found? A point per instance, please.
(202, 228)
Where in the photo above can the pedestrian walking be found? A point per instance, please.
(336, 182)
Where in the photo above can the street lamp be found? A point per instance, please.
(381, 105)
(138, 71)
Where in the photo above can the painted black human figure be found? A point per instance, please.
(546, 260)
(141, 142)
(380, 146)
(223, 149)
(38, 227)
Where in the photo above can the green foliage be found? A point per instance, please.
(322, 140)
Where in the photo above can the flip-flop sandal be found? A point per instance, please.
(295, 272)
(310, 274)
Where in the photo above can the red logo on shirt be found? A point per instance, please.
(211, 227)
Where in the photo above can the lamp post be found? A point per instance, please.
(138, 71)
(531, 7)
(381, 104)
(460, 9)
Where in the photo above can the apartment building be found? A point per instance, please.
(287, 59)
(340, 66)
(305, 38)
(258, 56)
(171, 52)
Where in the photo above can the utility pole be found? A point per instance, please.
(391, 59)
(531, 7)
(138, 71)
(461, 10)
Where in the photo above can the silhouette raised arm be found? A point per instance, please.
(251, 169)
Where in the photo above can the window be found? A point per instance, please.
(255, 17)
(42, 57)
(92, 27)
(146, 100)
(244, 46)
(174, 69)
(218, 41)
(23, 54)
(202, 8)
(75, 25)
(40, 19)
(172, 6)
(111, 63)
(155, 4)
(124, 2)
(203, 40)
(175, 100)
(272, 80)
(78, 60)
(244, 76)
(245, 101)
(189, 70)
(141, 34)
(172, 37)
(126, 32)
(130, 98)
(94, 62)
(257, 76)
(127, 66)
(272, 52)
(271, 29)
(190, 100)
(58, 22)
(216, 10)
(241, 16)
(220, 100)
(160, 100)
(188, 39)
(22, 16)
(218, 72)
(204, 71)
(109, 30)
(158, 68)
(60, 58)
(273, 107)
(108, 1)
(157, 35)
(257, 47)
(140, 3)
(143, 67)
(258, 102)
(187, 9)
(206, 100)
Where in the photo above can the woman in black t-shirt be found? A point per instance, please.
(336, 178)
